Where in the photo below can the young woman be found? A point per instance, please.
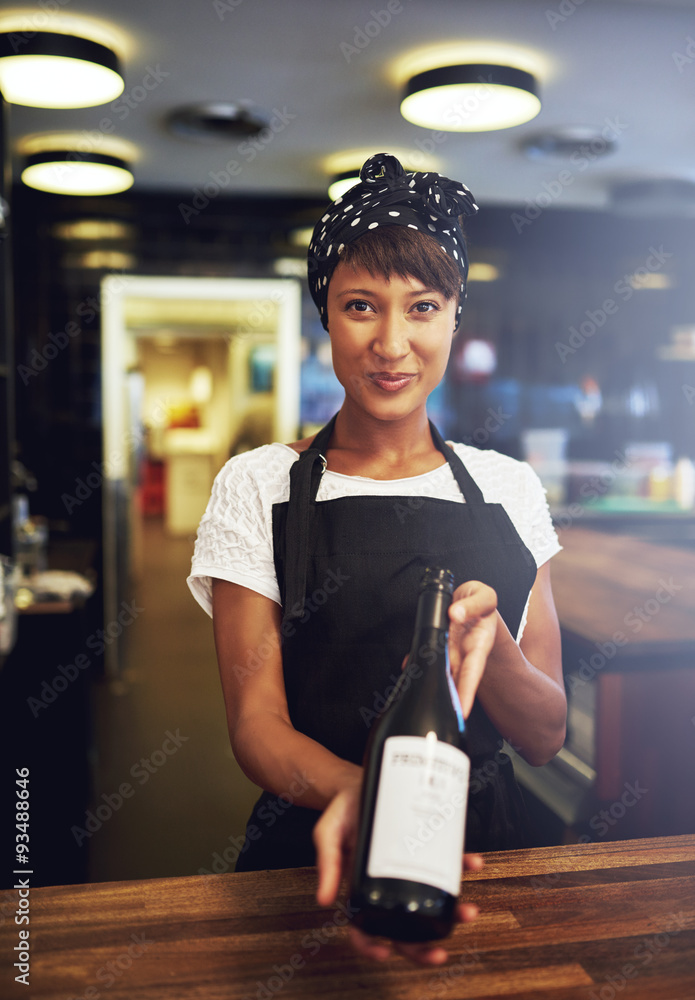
(310, 554)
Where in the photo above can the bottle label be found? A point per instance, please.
(420, 812)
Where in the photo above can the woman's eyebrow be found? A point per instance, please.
(374, 291)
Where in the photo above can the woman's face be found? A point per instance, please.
(390, 339)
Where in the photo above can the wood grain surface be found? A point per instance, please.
(583, 922)
(600, 579)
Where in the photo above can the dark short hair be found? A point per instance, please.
(407, 253)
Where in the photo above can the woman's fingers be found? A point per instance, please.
(471, 637)
(334, 840)
(423, 953)
(368, 946)
(473, 862)
(330, 836)
(472, 600)
(378, 949)
(467, 913)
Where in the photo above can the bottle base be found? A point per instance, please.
(389, 913)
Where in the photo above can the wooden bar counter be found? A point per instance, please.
(627, 613)
(558, 923)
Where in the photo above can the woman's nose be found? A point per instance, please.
(391, 340)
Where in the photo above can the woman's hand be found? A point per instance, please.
(473, 616)
(334, 837)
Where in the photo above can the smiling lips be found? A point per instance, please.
(391, 381)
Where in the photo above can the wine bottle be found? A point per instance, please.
(409, 848)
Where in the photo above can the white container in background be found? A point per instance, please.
(684, 483)
(545, 450)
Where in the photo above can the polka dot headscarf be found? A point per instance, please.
(388, 196)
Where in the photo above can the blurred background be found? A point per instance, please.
(151, 333)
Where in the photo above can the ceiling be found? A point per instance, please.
(330, 83)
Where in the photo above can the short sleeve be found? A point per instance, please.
(235, 535)
(539, 533)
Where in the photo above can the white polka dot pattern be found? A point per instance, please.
(235, 536)
(427, 202)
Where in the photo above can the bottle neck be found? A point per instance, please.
(433, 610)
(432, 622)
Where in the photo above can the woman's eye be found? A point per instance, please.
(358, 305)
(426, 307)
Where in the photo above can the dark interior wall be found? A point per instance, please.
(564, 310)
(58, 313)
(558, 272)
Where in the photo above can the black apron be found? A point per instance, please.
(349, 571)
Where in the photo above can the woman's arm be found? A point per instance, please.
(521, 688)
(268, 748)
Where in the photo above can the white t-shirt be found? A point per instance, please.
(235, 535)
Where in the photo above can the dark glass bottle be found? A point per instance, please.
(409, 849)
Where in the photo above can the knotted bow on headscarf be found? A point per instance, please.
(387, 195)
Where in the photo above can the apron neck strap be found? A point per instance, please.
(469, 488)
(305, 477)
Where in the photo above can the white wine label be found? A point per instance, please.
(420, 812)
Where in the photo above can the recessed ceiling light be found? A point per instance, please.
(290, 267)
(342, 183)
(301, 237)
(93, 229)
(52, 70)
(480, 271)
(652, 280)
(474, 97)
(106, 260)
(73, 173)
